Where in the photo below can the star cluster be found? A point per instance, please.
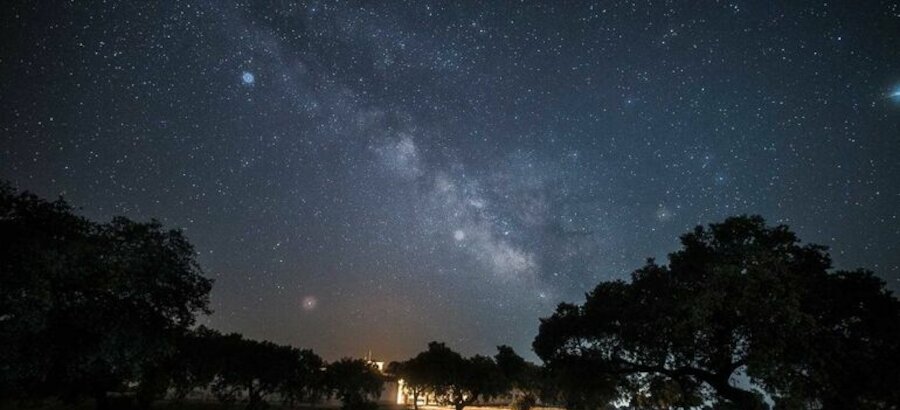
(362, 176)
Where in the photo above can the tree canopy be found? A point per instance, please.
(355, 382)
(85, 306)
(742, 311)
(743, 315)
(522, 378)
(237, 369)
(414, 373)
(451, 378)
(257, 369)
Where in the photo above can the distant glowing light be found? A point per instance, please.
(401, 388)
(459, 235)
(248, 78)
(310, 302)
(895, 94)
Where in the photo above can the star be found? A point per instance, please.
(310, 302)
(663, 213)
(248, 78)
(477, 159)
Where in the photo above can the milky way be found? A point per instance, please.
(362, 176)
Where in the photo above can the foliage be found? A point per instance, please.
(739, 299)
(578, 384)
(250, 367)
(235, 367)
(455, 380)
(305, 380)
(523, 402)
(522, 378)
(415, 376)
(86, 306)
(354, 382)
(196, 362)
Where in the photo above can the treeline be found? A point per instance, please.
(445, 377)
(743, 316)
(88, 309)
(235, 369)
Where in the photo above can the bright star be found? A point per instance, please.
(310, 302)
(663, 213)
(895, 94)
(248, 78)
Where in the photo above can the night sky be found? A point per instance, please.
(376, 176)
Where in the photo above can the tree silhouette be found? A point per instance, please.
(196, 362)
(355, 382)
(86, 306)
(578, 384)
(415, 376)
(236, 368)
(521, 377)
(740, 299)
(258, 369)
(305, 380)
(456, 380)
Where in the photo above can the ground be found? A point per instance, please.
(214, 405)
